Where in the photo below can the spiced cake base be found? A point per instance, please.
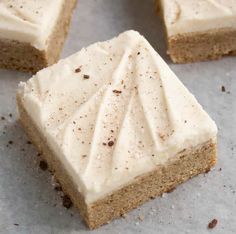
(164, 178)
(24, 57)
(209, 45)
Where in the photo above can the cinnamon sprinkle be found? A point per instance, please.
(117, 91)
(110, 143)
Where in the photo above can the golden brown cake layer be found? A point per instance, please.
(210, 45)
(24, 57)
(185, 165)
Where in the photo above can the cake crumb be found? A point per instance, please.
(141, 217)
(66, 202)
(212, 224)
(43, 165)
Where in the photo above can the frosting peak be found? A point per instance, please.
(114, 111)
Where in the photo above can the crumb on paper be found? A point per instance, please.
(141, 217)
(66, 202)
(223, 88)
(43, 165)
(212, 224)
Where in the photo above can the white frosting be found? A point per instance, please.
(123, 93)
(185, 16)
(30, 21)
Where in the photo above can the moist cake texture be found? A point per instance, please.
(199, 29)
(116, 126)
(32, 32)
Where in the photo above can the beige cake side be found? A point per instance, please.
(184, 166)
(210, 45)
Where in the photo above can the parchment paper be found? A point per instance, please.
(28, 203)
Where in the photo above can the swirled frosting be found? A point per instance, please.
(29, 21)
(185, 16)
(114, 111)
